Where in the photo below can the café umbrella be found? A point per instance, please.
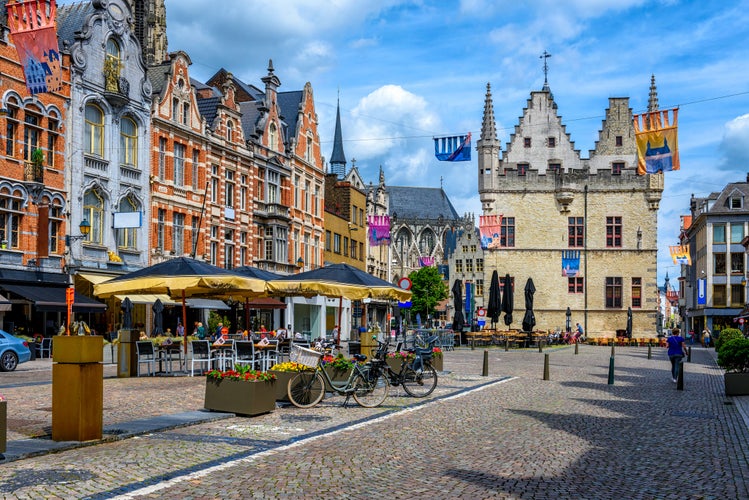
(127, 313)
(158, 318)
(458, 319)
(529, 320)
(495, 299)
(182, 277)
(507, 303)
(337, 280)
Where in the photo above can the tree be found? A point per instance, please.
(427, 290)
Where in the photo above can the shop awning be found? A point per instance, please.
(95, 279)
(52, 298)
(207, 304)
(5, 304)
(266, 303)
(149, 298)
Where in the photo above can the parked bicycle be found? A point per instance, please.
(418, 377)
(307, 388)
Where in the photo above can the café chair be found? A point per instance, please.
(201, 354)
(244, 353)
(146, 354)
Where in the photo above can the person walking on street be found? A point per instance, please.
(676, 352)
(706, 337)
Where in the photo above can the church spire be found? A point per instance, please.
(337, 158)
(488, 125)
(653, 96)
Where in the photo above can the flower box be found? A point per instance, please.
(240, 396)
(281, 385)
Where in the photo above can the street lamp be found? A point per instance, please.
(84, 227)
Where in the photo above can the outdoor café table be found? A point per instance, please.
(168, 353)
(223, 353)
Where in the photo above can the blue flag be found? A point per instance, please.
(456, 148)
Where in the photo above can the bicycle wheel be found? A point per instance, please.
(306, 389)
(370, 391)
(419, 385)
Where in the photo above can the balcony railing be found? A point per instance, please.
(33, 173)
(96, 163)
(272, 210)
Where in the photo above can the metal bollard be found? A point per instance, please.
(650, 352)
(612, 349)
(546, 367)
(689, 354)
(611, 370)
(485, 371)
(507, 345)
(680, 378)
(540, 346)
(576, 344)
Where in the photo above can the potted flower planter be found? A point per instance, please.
(437, 363)
(733, 356)
(281, 384)
(394, 364)
(240, 396)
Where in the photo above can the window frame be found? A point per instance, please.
(128, 143)
(94, 131)
(614, 231)
(575, 232)
(613, 292)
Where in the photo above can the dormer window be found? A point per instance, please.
(230, 131)
(736, 202)
(272, 136)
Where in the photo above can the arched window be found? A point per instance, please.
(32, 131)
(94, 130)
(273, 137)
(426, 242)
(11, 213)
(127, 237)
(402, 243)
(112, 66)
(230, 131)
(308, 152)
(93, 210)
(128, 142)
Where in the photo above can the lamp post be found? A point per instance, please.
(85, 229)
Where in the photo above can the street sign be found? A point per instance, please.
(404, 305)
(481, 312)
(404, 283)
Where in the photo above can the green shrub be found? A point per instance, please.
(733, 356)
(726, 335)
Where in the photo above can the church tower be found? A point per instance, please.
(488, 147)
(149, 17)
(337, 158)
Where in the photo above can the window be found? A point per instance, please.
(637, 292)
(178, 233)
(473, 248)
(527, 142)
(479, 288)
(243, 199)
(479, 265)
(737, 263)
(613, 232)
(186, 113)
(214, 183)
(194, 232)
(427, 242)
(354, 213)
(55, 222)
(719, 296)
(307, 194)
(575, 284)
(552, 143)
(93, 210)
(575, 232)
(94, 130)
(112, 66)
(345, 246)
(128, 142)
(719, 234)
(315, 201)
(11, 127)
(297, 186)
(619, 141)
(230, 131)
(737, 295)
(361, 251)
(127, 237)
(31, 134)
(308, 151)
(337, 243)
(522, 169)
(195, 167)
(616, 168)
(555, 168)
(11, 214)
(735, 202)
(327, 241)
(272, 137)
(507, 238)
(52, 141)
(613, 292)
(274, 187)
(179, 164)
(719, 263)
(469, 265)
(229, 201)
(175, 109)
(160, 225)
(162, 158)
(353, 249)
(465, 248)
(459, 266)
(737, 232)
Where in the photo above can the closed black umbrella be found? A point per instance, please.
(568, 323)
(458, 318)
(529, 320)
(629, 322)
(494, 307)
(158, 321)
(127, 313)
(507, 305)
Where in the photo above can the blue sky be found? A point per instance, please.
(408, 70)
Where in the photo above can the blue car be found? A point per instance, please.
(12, 351)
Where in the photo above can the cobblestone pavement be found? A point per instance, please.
(509, 435)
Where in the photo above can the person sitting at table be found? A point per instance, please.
(263, 329)
(168, 332)
(225, 332)
(282, 333)
(200, 331)
(217, 333)
(298, 336)
(143, 336)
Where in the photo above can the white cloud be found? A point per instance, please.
(735, 144)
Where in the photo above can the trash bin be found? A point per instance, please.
(127, 355)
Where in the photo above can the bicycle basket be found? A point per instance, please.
(304, 356)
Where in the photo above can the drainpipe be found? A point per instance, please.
(585, 253)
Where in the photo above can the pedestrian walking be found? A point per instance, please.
(676, 352)
(706, 337)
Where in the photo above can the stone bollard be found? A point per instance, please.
(576, 346)
(473, 344)
(546, 367)
(650, 352)
(485, 371)
(680, 378)
(611, 370)
(507, 345)
(540, 346)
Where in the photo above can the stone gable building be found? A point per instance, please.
(553, 200)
